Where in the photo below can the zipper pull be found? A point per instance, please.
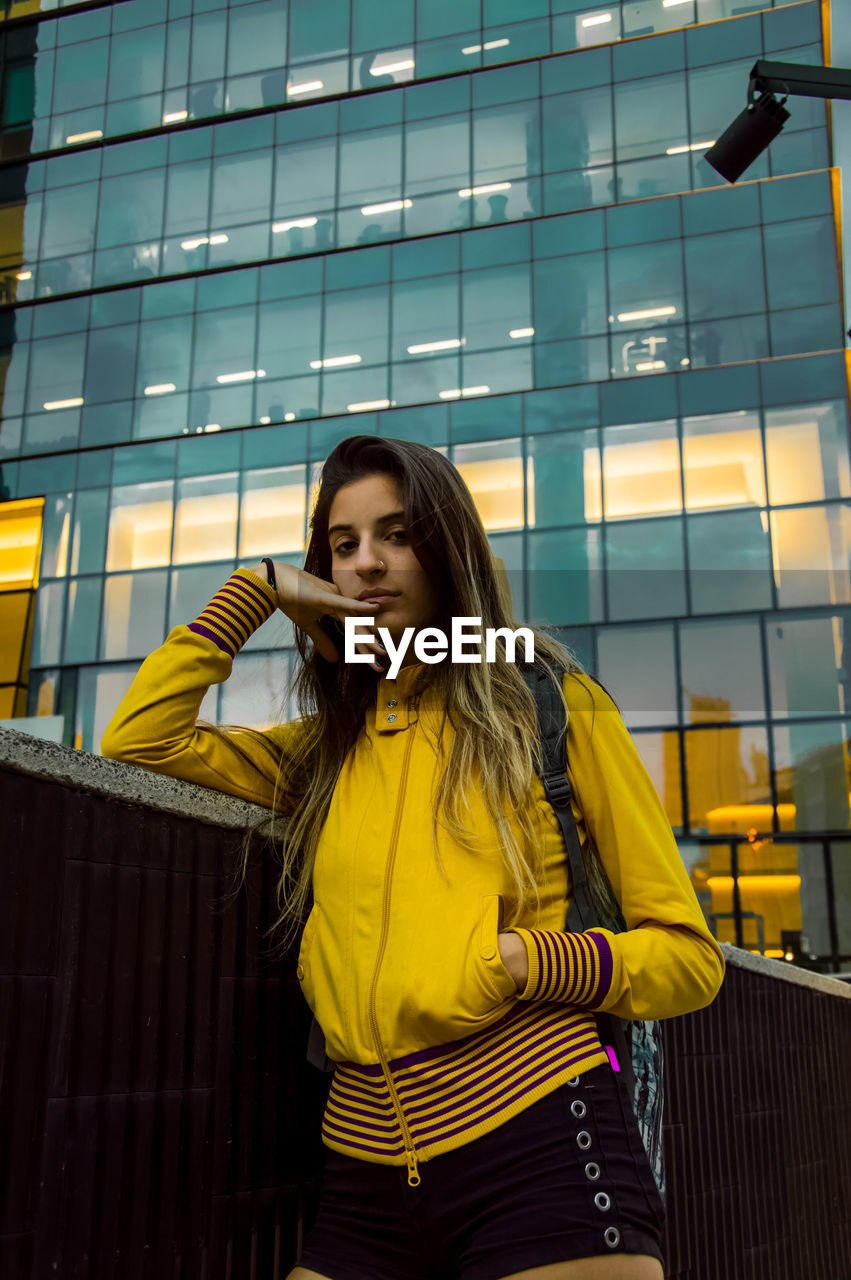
(414, 1178)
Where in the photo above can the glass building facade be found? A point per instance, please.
(232, 235)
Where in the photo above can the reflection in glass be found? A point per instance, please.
(721, 671)
(807, 453)
(809, 662)
(494, 475)
(641, 470)
(660, 755)
(133, 614)
(645, 571)
(565, 478)
(205, 519)
(273, 510)
(811, 554)
(140, 526)
(722, 461)
(636, 664)
(728, 778)
(812, 773)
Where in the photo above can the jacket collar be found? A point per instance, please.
(397, 700)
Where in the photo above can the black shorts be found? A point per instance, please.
(566, 1178)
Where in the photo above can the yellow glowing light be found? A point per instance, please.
(89, 136)
(20, 540)
(466, 192)
(388, 206)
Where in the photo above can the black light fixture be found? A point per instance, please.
(764, 117)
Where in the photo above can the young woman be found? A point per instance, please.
(475, 1127)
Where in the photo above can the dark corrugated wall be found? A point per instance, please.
(158, 1118)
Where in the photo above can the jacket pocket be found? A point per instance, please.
(493, 913)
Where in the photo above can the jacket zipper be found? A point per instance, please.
(410, 1154)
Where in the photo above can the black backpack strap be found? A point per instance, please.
(552, 730)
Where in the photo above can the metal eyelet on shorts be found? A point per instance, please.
(612, 1237)
(602, 1201)
(592, 1171)
(579, 1109)
(583, 1140)
(574, 1082)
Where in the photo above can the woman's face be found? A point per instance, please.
(372, 558)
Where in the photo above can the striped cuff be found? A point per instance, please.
(574, 968)
(236, 611)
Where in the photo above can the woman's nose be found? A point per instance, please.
(368, 560)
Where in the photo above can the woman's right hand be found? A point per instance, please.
(305, 599)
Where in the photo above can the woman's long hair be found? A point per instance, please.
(495, 744)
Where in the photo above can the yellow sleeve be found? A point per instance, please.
(667, 963)
(155, 725)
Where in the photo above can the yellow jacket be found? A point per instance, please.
(433, 1043)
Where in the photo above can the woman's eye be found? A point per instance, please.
(343, 547)
(401, 535)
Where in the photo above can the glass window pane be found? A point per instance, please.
(570, 297)
(111, 364)
(646, 292)
(426, 313)
(257, 694)
(192, 588)
(47, 637)
(188, 197)
(437, 154)
(289, 336)
(98, 694)
(56, 371)
(724, 274)
(371, 168)
(506, 143)
(83, 622)
(650, 115)
(257, 37)
(140, 526)
(496, 307)
(305, 178)
(565, 577)
(729, 561)
(721, 672)
(70, 217)
(273, 511)
(577, 130)
(645, 575)
(807, 453)
(812, 774)
(55, 539)
(224, 345)
(242, 188)
(641, 470)
(636, 664)
(840, 854)
(722, 461)
(356, 323)
(205, 519)
(88, 540)
(494, 475)
(80, 78)
(812, 547)
(660, 755)
(564, 479)
(137, 62)
(134, 614)
(810, 666)
(728, 779)
(800, 262)
(318, 30)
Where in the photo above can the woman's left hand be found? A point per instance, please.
(512, 952)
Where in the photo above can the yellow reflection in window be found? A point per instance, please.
(273, 512)
(496, 484)
(722, 464)
(20, 541)
(205, 528)
(641, 472)
(811, 552)
(806, 455)
(14, 625)
(140, 527)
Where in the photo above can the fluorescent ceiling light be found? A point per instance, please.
(466, 192)
(672, 4)
(406, 64)
(596, 20)
(646, 365)
(23, 275)
(389, 206)
(289, 417)
(247, 376)
(309, 86)
(448, 344)
(213, 426)
(651, 314)
(172, 117)
(472, 48)
(218, 239)
(296, 222)
(85, 137)
(368, 404)
(691, 146)
(64, 404)
(496, 44)
(199, 240)
(160, 389)
(463, 391)
(334, 362)
(521, 333)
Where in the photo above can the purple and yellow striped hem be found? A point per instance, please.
(457, 1092)
(575, 968)
(236, 611)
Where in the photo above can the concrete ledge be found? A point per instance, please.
(784, 971)
(22, 753)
